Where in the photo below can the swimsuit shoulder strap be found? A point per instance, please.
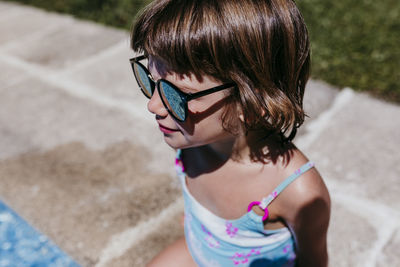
(178, 153)
(267, 200)
(263, 204)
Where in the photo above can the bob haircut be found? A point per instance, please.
(261, 45)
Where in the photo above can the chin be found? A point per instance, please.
(180, 142)
(173, 143)
(180, 145)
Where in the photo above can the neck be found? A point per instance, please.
(261, 146)
(256, 146)
(207, 158)
(221, 150)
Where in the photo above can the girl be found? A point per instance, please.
(226, 81)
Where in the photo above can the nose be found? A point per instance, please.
(156, 106)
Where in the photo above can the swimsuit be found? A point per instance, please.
(214, 241)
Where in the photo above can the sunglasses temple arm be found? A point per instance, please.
(209, 91)
(135, 59)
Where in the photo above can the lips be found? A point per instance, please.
(166, 129)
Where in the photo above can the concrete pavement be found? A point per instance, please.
(82, 161)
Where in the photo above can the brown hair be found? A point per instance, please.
(261, 45)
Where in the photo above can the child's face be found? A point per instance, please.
(203, 125)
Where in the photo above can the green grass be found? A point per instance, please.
(355, 43)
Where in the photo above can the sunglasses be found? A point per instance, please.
(174, 100)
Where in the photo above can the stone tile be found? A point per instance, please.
(390, 255)
(110, 74)
(359, 150)
(65, 45)
(10, 75)
(6, 7)
(318, 97)
(348, 240)
(142, 253)
(25, 22)
(93, 194)
(37, 117)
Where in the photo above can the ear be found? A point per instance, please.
(241, 117)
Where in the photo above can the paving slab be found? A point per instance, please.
(66, 44)
(80, 197)
(111, 74)
(318, 97)
(359, 149)
(23, 29)
(357, 156)
(49, 116)
(142, 253)
(4, 6)
(10, 76)
(353, 243)
(390, 256)
(65, 155)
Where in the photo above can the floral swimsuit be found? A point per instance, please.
(214, 241)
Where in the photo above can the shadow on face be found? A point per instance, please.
(196, 117)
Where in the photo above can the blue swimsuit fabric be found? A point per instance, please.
(214, 241)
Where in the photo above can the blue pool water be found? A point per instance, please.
(23, 246)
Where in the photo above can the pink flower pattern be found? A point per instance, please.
(211, 241)
(286, 249)
(292, 255)
(179, 165)
(230, 229)
(242, 258)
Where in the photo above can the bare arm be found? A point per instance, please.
(311, 226)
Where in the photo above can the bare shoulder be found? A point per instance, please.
(307, 191)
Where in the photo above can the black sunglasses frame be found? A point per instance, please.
(186, 96)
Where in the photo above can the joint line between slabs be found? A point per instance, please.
(319, 124)
(102, 54)
(121, 242)
(383, 219)
(73, 88)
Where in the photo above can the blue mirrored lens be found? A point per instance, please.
(174, 101)
(143, 80)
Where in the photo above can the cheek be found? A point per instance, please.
(198, 127)
(199, 112)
